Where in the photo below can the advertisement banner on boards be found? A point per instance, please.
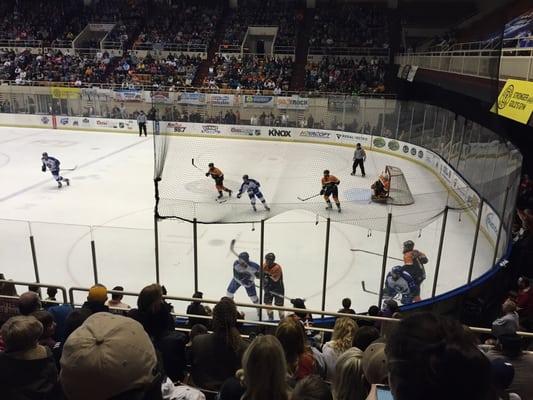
(65, 93)
(194, 99)
(221, 100)
(258, 101)
(160, 97)
(128, 95)
(292, 103)
(339, 103)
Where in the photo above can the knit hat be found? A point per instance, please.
(97, 293)
(106, 356)
(375, 363)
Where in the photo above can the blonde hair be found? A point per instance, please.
(349, 382)
(343, 333)
(265, 370)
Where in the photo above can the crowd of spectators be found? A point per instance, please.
(250, 72)
(346, 75)
(349, 25)
(53, 351)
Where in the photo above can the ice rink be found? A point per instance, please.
(111, 199)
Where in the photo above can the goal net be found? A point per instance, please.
(399, 192)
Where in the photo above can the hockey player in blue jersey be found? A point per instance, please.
(400, 283)
(244, 274)
(53, 165)
(252, 187)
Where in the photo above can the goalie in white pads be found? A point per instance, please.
(53, 165)
(252, 187)
(400, 283)
(244, 274)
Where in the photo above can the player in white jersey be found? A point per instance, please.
(244, 274)
(53, 165)
(252, 187)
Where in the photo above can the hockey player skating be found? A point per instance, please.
(218, 176)
(400, 283)
(53, 166)
(244, 274)
(414, 261)
(330, 187)
(273, 285)
(252, 187)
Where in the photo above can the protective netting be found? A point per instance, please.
(287, 172)
(399, 192)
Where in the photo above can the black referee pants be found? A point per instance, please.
(361, 163)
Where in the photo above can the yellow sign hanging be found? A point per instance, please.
(515, 101)
(65, 93)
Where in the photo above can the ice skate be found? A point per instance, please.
(329, 207)
(230, 192)
(353, 174)
(68, 181)
(254, 207)
(267, 208)
(59, 185)
(338, 207)
(220, 195)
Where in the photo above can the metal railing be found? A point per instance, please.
(349, 51)
(62, 289)
(172, 47)
(21, 43)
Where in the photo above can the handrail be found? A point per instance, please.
(40, 285)
(327, 50)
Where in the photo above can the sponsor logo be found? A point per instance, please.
(344, 136)
(393, 145)
(379, 142)
(491, 225)
(101, 123)
(45, 120)
(75, 123)
(405, 149)
(121, 125)
(279, 132)
(85, 120)
(420, 154)
(315, 134)
(246, 131)
(446, 173)
(176, 127)
(505, 97)
(413, 151)
(210, 129)
(63, 121)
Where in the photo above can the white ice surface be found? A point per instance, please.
(112, 192)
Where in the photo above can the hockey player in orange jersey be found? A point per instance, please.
(330, 188)
(218, 176)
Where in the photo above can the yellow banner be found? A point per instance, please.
(515, 101)
(65, 93)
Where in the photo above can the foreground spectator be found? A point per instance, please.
(27, 369)
(96, 299)
(217, 356)
(508, 323)
(364, 336)
(341, 340)
(502, 377)
(49, 328)
(29, 302)
(110, 356)
(72, 322)
(197, 308)
(263, 375)
(375, 365)
(432, 357)
(116, 299)
(311, 387)
(349, 382)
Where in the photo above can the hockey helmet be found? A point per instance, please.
(270, 257)
(326, 172)
(396, 270)
(244, 256)
(210, 165)
(45, 155)
(408, 245)
(245, 177)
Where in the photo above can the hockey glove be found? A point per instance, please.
(43, 168)
(322, 191)
(207, 174)
(239, 196)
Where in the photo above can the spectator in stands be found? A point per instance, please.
(435, 357)
(349, 382)
(217, 356)
(153, 313)
(341, 340)
(346, 306)
(49, 328)
(96, 299)
(311, 387)
(196, 330)
(35, 289)
(298, 355)
(110, 356)
(304, 316)
(524, 302)
(373, 311)
(364, 336)
(263, 375)
(502, 377)
(7, 288)
(375, 367)
(72, 322)
(51, 294)
(27, 369)
(509, 348)
(508, 323)
(116, 299)
(197, 308)
(29, 302)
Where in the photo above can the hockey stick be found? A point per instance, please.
(232, 249)
(70, 169)
(307, 198)
(195, 166)
(376, 254)
(366, 290)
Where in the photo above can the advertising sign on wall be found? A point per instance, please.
(258, 101)
(197, 99)
(292, 103)
(221, 100)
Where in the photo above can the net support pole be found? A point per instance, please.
(384, 263)
(476, 235)
(93, 255)
(156, 248)
(439, 253)
(326, 257)
(261, 258)
(34, 255)
(195, 251)
(499, 236)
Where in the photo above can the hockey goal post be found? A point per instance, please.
(399, 192)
